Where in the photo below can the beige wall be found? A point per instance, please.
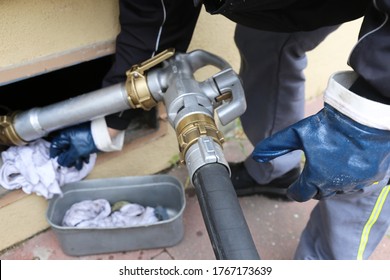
(30, 29)
(214, 33)
(39, 36)
(329, 57)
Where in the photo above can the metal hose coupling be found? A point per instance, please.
(139, 95)
(200, 142)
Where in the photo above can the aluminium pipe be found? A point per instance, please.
(38, 122)
(222, 213)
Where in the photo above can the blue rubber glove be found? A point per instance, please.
(73, 146)
(341, 154)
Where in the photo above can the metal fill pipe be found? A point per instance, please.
(38, 122)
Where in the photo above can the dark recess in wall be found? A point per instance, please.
(65, 83)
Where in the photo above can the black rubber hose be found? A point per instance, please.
(225, 222)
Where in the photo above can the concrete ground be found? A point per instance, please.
(275, 226)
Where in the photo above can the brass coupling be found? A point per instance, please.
(194, 126)
(8, 135)
(138, 92)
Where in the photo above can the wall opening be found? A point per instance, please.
(65, 83)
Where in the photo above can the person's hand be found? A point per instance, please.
(342, 155)
(73, 145)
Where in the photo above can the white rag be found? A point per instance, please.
(31, 169)
(97, 214)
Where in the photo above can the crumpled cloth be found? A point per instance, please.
(97, 214)
(31, 169)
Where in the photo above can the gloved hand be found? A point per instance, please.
(73, 145)
(342, 155)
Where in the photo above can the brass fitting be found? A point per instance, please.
(137, 88)
(8, 135)
(194, 126)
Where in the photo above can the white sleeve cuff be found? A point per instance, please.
(102, 138)
(360, 109)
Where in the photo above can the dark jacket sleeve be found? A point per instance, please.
(288, 15)
(370, 57)
(147, 28)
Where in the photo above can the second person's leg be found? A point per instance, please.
(272, 66)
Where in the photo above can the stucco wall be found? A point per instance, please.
(30, 29)
(39, 36)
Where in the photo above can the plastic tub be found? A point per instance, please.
(153, 190)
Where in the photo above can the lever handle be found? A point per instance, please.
(201, 58)
(229, 86)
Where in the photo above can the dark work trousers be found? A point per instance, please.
(272, 66)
